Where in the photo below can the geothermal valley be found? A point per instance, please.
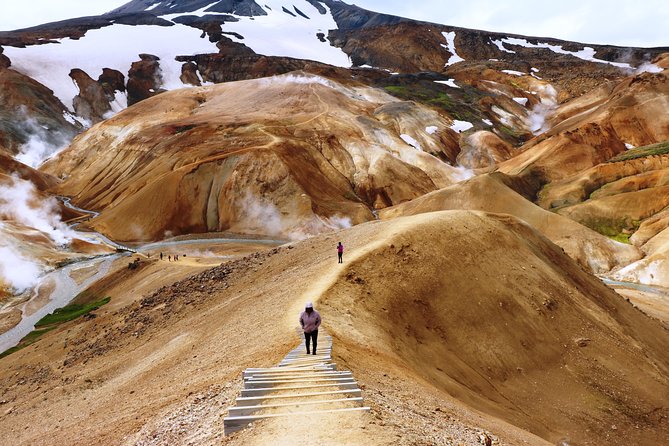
(175, 177)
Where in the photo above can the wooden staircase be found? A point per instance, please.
(300, 385)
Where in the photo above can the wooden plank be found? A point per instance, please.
(295, 375)
(244, 401)
(248, 410)
(267, 383)
(233, 424)
(266, 390)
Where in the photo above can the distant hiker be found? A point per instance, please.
(310, 320)
(176, 257)
(169, 258)
(340, 252)
(161, 256)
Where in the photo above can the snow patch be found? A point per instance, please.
(521, 101)
(411, 141)
(500, 44)
(278, 34)
(450, 47)
(587, 53)
(629, 146)
(461, 126)
(514, 73)
(487, 121)
(154, 6)
(451, 83)
(431, 130)
(115, 47)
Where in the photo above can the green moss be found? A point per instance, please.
(622, 238)
(53, 320)
(70, 312)
(661, 148)
(30, 338)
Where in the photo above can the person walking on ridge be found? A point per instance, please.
(340, 252)
(310, 320)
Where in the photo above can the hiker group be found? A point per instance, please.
(170, 258)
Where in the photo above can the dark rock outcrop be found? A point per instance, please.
(209, 24)
(4, 60)
(92, 102)
(144, 78)
(112, 81)
(247, 8)
(75, 28)
(189, 74)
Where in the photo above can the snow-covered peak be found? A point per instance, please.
(295, 28)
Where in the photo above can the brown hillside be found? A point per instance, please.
(596, 128)
(284, 156)
(488, 193)
(429, 325)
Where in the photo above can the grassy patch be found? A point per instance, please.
(53, 320)
(661, 148)
(70, 312)
(30, 338)
(460, 104)
(622, 238)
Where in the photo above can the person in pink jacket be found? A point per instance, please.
(310, 320)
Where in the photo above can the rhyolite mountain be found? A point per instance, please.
(469, 163)
(410, 108)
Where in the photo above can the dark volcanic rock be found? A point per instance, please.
(219, 68)
(144, 78)
(92, 102)
(112, 81)
(316, 4)
(209, 24)
(189, 74)
(4, 60)
(247, 8)
(75, 28)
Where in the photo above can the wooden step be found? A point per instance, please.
(252, 400)
(266, 390)
(295, 375)
(233, 424)
(248, 410)
(279, 383)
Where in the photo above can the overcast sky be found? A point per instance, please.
(631, 23)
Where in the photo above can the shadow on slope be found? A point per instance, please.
(485, 308)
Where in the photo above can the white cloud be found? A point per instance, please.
(597, 21)
(29, 13)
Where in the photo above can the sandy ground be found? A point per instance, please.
(162, 362)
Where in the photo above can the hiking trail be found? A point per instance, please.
(300, 385)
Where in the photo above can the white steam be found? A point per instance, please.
(648, 67)
(262, 216)
(536, 120)
(42, 143)
(19, 202)
(16, 271)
